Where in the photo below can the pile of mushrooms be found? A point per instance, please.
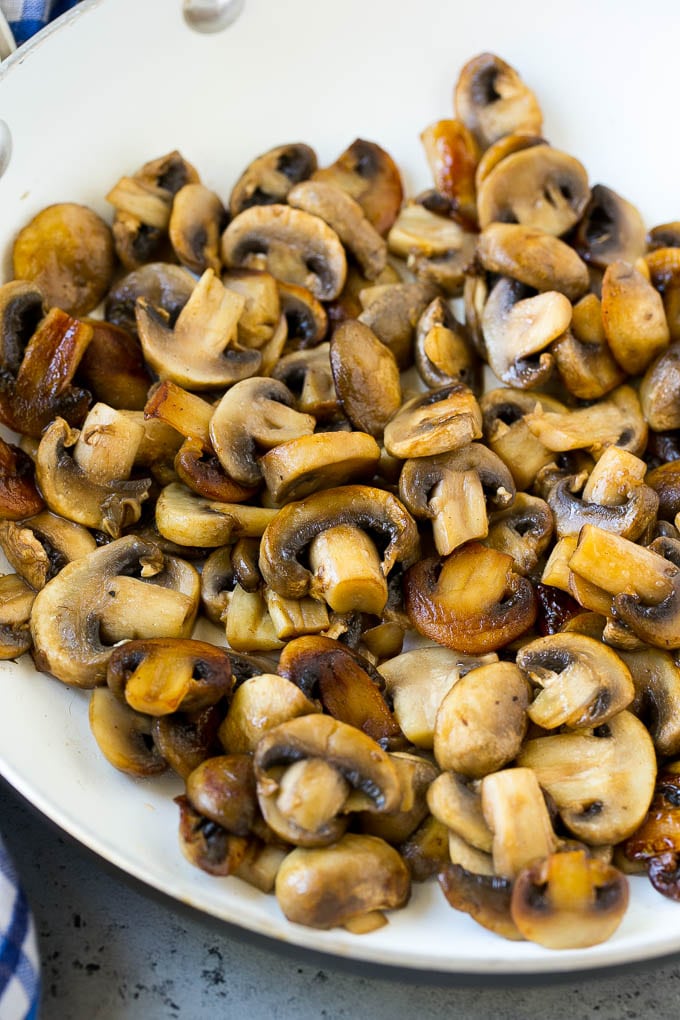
(440, 627)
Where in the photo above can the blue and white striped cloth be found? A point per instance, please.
(19, 967)
(26, 17)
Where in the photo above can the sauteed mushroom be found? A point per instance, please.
(366, 377)
(492, 100)
(163, 284)
(269, 178)
(371, 177)
(532, 257)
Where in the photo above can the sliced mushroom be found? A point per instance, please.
(633, 317)
(601, 781)
(248, 623)
(198, 352)
(113, 367)
(663, 268)
(371, 177)
(261, 315)
(342, 884)
(292, 245)
(656, 679)
(292, 618)
(443, 350)
(67, 250)
(610, 229)
(16, 605)
(19, 496)
(515, 811)
(308, 375)
(435, 422)
(534, 258)
(630, 519)
(582, 355)
(453, 153)
(478, 617)
(523, 531)
(452, 489)
(126, 589)
(436, 248)
(254, 415)
(196, 465)
(457, 803)
(222, 788)
(538, 187)
(657, 624)
(504, 146)
(569, 901)
(659, 834)
(38, 548)
(492, 100)
(207, 845)
(482, 721)
(269, 178)
(486, 898)
(517, 325)
(196, 224)
(582, 683)
(660, 391)
(506, 431)
(616, 421)
(298, 467)
(426, 850)
(192, 520)
(123, 735)
(259, 704)
(185, 412)
(416, 775)
(392, 311)
(158, 676)
(297, 524)
(366, 377)
(164, 285)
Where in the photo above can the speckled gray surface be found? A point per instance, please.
(110, 951)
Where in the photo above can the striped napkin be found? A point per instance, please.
(19, 967)
(26, 17)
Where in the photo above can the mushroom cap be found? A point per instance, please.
(392, 311)
(492, 100)
(370, 175)
(296, 468)
(435, 422)
(163, 284)
(269, 178)
(533, 257)
(294, 246)
(610, 229)
(296, 524)
(123, 735)
(629, 519)
(443, 349)
(633, 316)
(196, 223)
(222, 788)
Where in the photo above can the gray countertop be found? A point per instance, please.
(112, 950)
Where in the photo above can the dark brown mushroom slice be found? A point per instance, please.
(370, 175)
(630, 519)
(486, 898)
(569, 901)
(159, 676)
(533, 257)
(326, 669)
(659, 832)
(297, 524)
(392, 311)
(244, 561)
(306, 317)
(217, 582)
(426, 851)
(556, 608)
(195, 227)
(163, 284)
(223, 789)
(19, 496)
(523, 530)
(198, 466)
(22, 307)
(665, 235)
(67, 250)
(269, 178)
(16, 603)
(610, 229)
(633, 317)
(665, 480)
(207, 845)
(582, 354)
(366, 377)
(537, 187)
(492, 100)
(453, 153)
(443, 350)
(123, 735)
(472, 600)
(664, 874)
(113, 369)
(294, 246)
(185, 739)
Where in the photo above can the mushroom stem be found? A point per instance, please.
(618, 565)
(459, 507)
(107, 445)
(514, 809)
(347, 571)
(165, 611)
(186, 412)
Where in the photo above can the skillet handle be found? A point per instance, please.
(211, 15)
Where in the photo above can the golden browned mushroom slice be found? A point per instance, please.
(506, 431)
(208, 845)
(656, 679)
(482, 721)
(16, 604)
(346, 217)
(533, 257)
(110, 504)
(515, 811)
(196, 465)
(504, 146)
(656, 843)
(452, 490)
(326, 669)
(123, 735)
(253, 416)
(259, 704)
(457, 802)
(416, 775)
(187, 413)
(126, 589)
(569, 901)
(663, 265)
(392, 311)
(248, 623)
(294, 246)
(610, 229)
(518, 324)
(113, 368)
(67, 250)
(261, 313)
(296, 468)
(582, 355)
(657, 624)
(39, 547)
(308, 374)
(306, 317)
(143, 204)
(435, 422)
(297, 524)
(371, 177)
(538, 187)
(630, 517)
(523, 531)
(492, 100)
(486, 898)
(615, 421)
(472, 600)
(443, 349)
(157, 676)
(269, 178)
(19, 496)
(601, 780)
(198, 352)
(223, 569)
(191, 520)
(453, 153)
(366, 377)
(582, 683)
(222, 788)
(633, 317)
(436, 248)
(196, 223)
(348, 884)
(660, 391)
(163, 284)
